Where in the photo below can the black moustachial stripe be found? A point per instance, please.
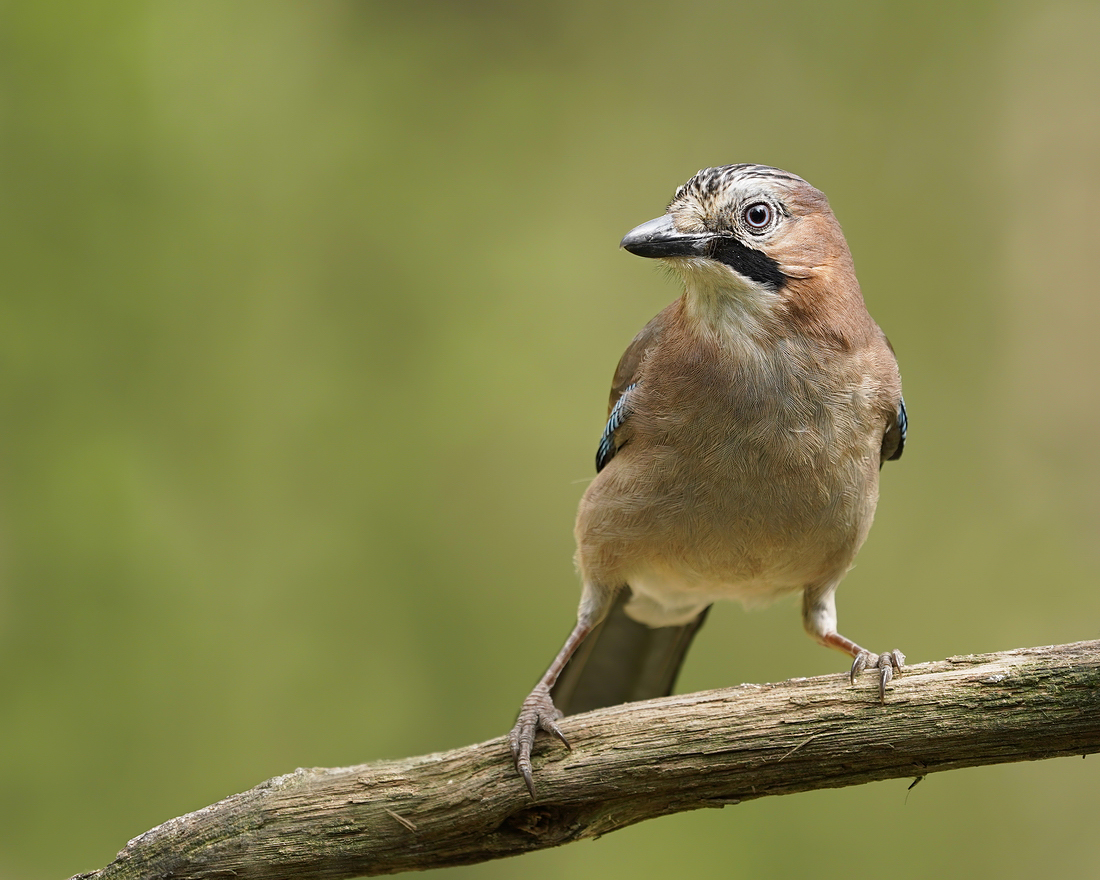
(751, 263)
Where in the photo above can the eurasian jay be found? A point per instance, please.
(747, 425)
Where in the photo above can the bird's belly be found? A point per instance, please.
(681, 544)
(665, 593)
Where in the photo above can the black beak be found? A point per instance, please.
(660, 238)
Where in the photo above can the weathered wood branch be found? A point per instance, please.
(636, 762)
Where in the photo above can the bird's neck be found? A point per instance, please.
(741, 315)
(722, 307)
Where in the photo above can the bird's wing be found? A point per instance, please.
(625, 383)
(626, 373)
(622, 660)
(609, 444)
(893, 441)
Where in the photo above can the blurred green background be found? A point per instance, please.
(309, 313)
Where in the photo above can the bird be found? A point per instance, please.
(747, 425)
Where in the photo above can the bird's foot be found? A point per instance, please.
(537, 713)
(886, 663)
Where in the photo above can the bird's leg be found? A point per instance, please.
(819, 618)
(538, 710)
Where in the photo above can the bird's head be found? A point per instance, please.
(752, 243)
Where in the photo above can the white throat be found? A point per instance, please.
(735, 309)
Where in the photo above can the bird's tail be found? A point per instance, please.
(622, 660)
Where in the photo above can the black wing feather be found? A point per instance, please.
(893, 441)
(619, 414)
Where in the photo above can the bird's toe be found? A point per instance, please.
(537, 713)
(887, 663)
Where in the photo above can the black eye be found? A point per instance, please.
(758, 215)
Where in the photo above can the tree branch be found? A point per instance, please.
(635, 762)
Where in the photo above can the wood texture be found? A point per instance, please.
(635, 762)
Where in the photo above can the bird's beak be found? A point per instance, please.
(661, 238)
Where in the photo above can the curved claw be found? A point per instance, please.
(886, 663)
(537, 713)
(858, 665)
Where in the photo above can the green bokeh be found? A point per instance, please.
(308, 316)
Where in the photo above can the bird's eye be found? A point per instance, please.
(758, 216)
